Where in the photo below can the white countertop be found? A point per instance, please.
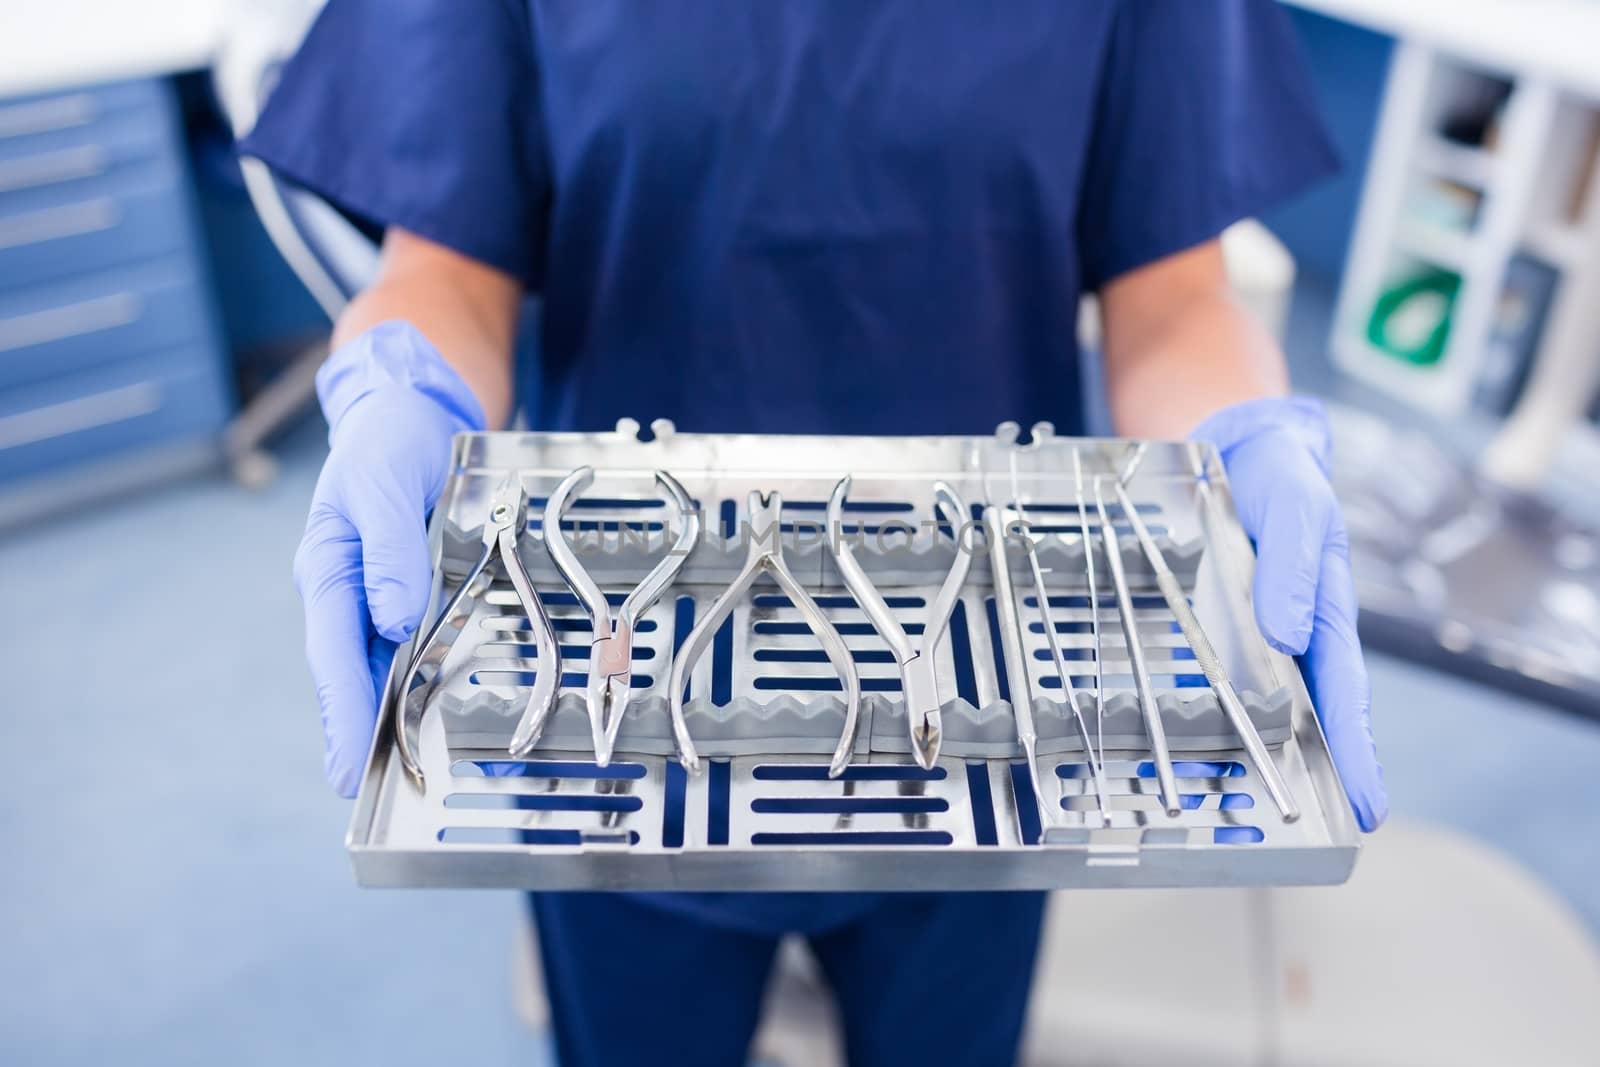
(58, 44)
(1555, 39)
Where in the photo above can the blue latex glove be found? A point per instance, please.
(1276, 452)
(392, 405)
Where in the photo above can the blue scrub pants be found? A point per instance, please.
(920, 978)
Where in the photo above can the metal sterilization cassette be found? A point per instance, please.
(669, 661)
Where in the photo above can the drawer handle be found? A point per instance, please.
(46, 116)
(71, 220)
(50, 168)
(72, 320)
(75, 416)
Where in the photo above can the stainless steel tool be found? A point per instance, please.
(1094, 609)
(765, 556)
(995, 527)
(1178, 603)
(610, 684)
(1047, 621)
(919, 682)
(508, 517)
(1160, 755)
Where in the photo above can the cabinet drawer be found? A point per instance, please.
(91, 234)
(84, 172)
(145, 402)
(123, 151)
(34, 124)
(60, 329)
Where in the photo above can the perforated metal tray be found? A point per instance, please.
(764, 815)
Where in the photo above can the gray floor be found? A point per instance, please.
(173, 881)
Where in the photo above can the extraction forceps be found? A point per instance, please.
(508, 517)
(919, 683)
(765, 556)
(610, 684)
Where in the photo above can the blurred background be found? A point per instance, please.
(162, 309)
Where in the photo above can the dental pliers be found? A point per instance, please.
(919, 684)
(765, 556)
(610, 684)
(508, 517)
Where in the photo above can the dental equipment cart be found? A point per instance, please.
(672, 661)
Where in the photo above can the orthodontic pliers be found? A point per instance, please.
(765, 556)
(610, 683)
(508, 517)
(919, 683)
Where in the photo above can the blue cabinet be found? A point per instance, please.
(109, 342)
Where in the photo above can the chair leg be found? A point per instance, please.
(281, 400)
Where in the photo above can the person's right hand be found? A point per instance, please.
(392, 405)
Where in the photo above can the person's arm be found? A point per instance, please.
(423, 354)
(422, 118)
(468, 310)
(1179, 346)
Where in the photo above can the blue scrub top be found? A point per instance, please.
(802, 215)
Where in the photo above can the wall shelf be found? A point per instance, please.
(1470, 166)
(1537, 182)
(1436, 245)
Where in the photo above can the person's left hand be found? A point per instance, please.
(1276, 452)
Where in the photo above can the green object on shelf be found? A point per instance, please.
(1411, 319)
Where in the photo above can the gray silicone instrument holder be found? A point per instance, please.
(764, 704)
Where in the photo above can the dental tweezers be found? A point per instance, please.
(508, 517)
(610, 683)
(1210, 665)
(919, 682)
(765, 556)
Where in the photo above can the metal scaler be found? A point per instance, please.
(1130, 464)
(1210, 664)
(508, 517)
(1058, 657)
(1160, 755)
(765, 556)
(1094, 612)
(919, 681)
(610, 683)
(1011, 648)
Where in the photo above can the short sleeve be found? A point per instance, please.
(421, 114)
(1205, 115)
